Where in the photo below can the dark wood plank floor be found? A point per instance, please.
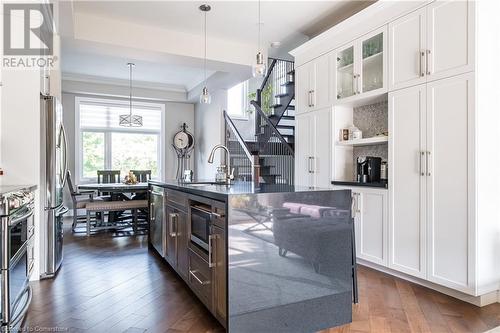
(114, 284)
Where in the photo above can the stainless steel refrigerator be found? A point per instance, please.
(54, 165)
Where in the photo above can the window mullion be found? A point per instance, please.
(108, 150)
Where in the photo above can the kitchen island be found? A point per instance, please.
(276, 258)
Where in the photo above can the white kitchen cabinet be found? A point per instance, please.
(361, 68)
(431, 43)
(407, 185)
(370, 223)
(407, 50)
(431, 195)
(313, 84)
(450, 192)
(313, 148)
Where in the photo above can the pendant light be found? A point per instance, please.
(259, 68)
(205, 97)
(130, 120)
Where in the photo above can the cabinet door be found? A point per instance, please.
(450, 38)
(182, 244)
(320, 82)
(373, 64)
(321, 148)
(219, 274)
(171, 236)
(370, 207)
(302, 89)
(303, 152)
(407, 180)
(407, 50)
(450, 193)
(157, 222)
(345, 72)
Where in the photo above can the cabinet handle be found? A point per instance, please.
(421, 70)
(151, 211)
(358, 84)
(312, 164)
(422, 154)
(211, 238)
(217, 216)
(427, 163)
(173, 217)
(313, 96)
(427, 62)
(193, 274)
(354, 84)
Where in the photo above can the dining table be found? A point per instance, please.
(117, 191)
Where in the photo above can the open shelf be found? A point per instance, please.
(373, 57)
(344, 68)
(377, 140)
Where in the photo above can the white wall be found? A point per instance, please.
(175, 115)
(209, 131)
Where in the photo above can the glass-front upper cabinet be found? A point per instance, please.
(372, 63)
(361, 66)
(345, 73)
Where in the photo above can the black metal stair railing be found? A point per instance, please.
(245, 162)
(276, 156)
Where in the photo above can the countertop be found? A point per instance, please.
(221, 192)
(354, 183)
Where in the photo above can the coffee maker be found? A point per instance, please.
(368, 169)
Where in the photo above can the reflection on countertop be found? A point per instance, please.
(355, 183)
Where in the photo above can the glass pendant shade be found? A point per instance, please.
(259, 68)
(205, 97)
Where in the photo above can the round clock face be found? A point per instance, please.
(181, 140)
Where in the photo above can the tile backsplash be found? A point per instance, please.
(371, 120)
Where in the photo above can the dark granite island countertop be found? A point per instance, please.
(289, 256)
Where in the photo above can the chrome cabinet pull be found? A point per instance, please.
(173, 217)
(312, 164)
(193, 274)
(211, 238)
(151, 211)
(427, 62)
(427, 163)
(421, 70)
(313, 96)
(354, 84)
(422, 154)
(358, 84)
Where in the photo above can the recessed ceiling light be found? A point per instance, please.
(275, 44)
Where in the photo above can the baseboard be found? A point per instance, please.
(482, 300)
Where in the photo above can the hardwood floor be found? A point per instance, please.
(114, 284)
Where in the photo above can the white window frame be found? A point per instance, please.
(107, 133)
(244, 115)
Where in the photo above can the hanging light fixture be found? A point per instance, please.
(205, 97)
(130, 120)
(259, 68)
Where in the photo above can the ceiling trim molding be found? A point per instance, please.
(121, 82)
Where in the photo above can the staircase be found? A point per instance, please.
(276, 98)
(270, 158)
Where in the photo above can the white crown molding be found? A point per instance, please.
(121, 82)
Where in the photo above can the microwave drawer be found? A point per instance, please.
(200, 278)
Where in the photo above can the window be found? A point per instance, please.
(103, 144)
(237, 101)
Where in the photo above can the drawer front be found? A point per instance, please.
(177, 199)
(200, 278)
(219, 214)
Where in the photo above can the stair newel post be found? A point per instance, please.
(255, 172)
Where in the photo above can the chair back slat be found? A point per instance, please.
(142, 175)
(108, 176)
(72, 190)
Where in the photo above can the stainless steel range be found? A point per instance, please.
(16, 251)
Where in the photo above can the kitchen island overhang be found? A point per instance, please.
(289, 256)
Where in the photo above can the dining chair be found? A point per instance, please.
(80, 199)
(142, 175)
(107, 177)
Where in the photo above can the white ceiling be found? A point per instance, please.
(234, 20)
(290, 22)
